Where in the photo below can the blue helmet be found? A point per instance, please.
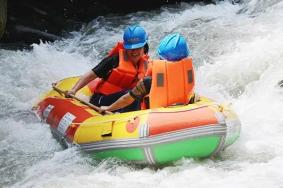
(134, 37)
(173, 47)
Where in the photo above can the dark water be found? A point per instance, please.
(31, 21)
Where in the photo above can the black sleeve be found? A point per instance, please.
(142, 89)
(104, 68)
(147, 84)
(134, 96)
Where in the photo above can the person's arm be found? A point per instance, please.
(102, 70)
(137, 93)
(84, 80)
(122, 102)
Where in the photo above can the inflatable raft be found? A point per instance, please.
(153, 136)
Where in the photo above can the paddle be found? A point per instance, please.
(96, 108)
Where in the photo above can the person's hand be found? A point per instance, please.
(54, 83)
(70, 93)
(103, 109)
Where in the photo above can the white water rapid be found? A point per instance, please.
(238, 55)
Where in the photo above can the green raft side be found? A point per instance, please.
(128, 154)
(193, 148)
(167, 152)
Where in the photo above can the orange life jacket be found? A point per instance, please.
(149, 68)
(115, 50)
(125, 76)
(172, 82)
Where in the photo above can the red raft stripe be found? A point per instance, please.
(162, 122)
(61, 107)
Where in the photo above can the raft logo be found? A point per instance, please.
(46, 112)
(65, 122)
(134, 40)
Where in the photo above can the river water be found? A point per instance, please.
(238, 55)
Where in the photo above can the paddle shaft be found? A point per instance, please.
(96, 108)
